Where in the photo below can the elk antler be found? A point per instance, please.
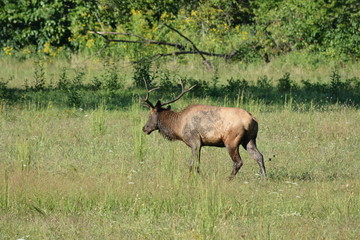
(183, 91)
(146, 100)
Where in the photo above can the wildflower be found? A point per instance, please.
(134, 12)
(165, 15)
(59, 49)
(8, 50)
(90, 43)
(26, 51)
(47, 48)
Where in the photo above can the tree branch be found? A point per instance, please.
(179, 46)
(207, 63)
(159, 55)
(144, 41)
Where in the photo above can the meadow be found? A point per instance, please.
(75, 164)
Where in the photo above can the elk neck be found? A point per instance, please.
(168, 122)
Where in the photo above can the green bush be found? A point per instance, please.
(50, 25)
(252, 29)
(142, 72)
(39, 76)
(327, 26)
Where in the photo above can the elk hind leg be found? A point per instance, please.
(237, 161)
(255, 153)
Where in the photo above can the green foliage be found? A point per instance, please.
(39, 76)
(327, 26)
(264, 83)
(63, 82)
(35, 23)
(142, 72)
(3, 88)
(78, 88)
(49, 24)
(236, 86)
(74, 97)
(252, 29)
(167, 82)
(111, 79)
(285, 84)
(336, 84)
(78, 79)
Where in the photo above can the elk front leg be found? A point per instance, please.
(195, 157)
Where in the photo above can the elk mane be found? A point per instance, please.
(167, 122)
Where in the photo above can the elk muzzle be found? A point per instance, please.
(146, 129)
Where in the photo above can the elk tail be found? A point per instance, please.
(255, 119)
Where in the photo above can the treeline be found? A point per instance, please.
(250, 30)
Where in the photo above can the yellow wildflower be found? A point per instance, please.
(8, 50)
(47, 48)
(90, 43)
(26, 51)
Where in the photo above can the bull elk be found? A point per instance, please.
(201, 125)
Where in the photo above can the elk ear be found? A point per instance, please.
(168, 107)
(158, 105)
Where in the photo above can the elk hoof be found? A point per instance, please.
(230, 178)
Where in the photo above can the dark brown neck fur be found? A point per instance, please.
(167, 122)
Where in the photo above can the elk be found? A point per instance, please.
(202, 125)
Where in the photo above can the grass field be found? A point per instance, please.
(73, 173)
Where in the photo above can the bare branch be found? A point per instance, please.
(159, 55)
(99, 21)
(144, 41)
(208, 64)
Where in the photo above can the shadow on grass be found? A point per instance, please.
(274, 92)
(84, 97)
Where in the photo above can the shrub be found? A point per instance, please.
(111, 78)
(142, 72)
(285, 84)
(63, 82)
(39, 76)
(236, 86)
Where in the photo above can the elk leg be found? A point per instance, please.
(235, 156)
(195, 148)
(254, 152)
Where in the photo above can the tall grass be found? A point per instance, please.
(81, 168)
(93, 174)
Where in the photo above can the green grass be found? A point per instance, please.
(75, 174)
(75, 164)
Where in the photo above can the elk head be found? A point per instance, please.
(153, 124)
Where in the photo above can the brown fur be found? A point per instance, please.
(202, 125)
